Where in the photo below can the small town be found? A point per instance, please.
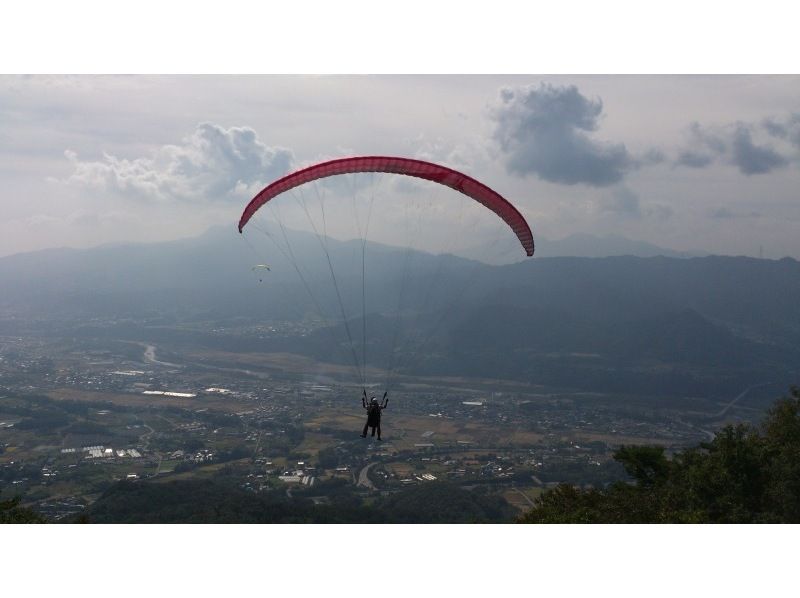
(133, 414)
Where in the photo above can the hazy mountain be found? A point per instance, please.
(578, 245)
(614, 323)
(213, 272)
(585, 245)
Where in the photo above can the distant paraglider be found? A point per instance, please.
(412, 307)
(260, 268)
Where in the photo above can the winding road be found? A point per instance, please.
(363, 477)
(150, 357)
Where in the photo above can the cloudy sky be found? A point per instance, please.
(688, 163)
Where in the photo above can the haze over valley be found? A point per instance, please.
(179, 362)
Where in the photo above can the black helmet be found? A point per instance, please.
(374, 400)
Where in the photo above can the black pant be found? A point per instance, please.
(378, 426)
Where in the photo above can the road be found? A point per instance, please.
(708, 433)
(722, 412)
(150, 357)
(145, 438)
(525, 496)
(363, 477)
(727, 407)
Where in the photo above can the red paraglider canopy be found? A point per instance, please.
(405, 166)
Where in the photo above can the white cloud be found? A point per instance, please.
(468, 156)
(164, 186)
(211, 164)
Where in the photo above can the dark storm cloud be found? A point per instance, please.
(653, 156)
(694, 159)
(705, 147)
(750, 158)
(775, 128)
(734, 144)
(660, 211)
(543, 130)
(624, 202)
(724, 213)
(787, 129)
(709, 140)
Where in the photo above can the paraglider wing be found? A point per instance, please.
(260, 267)
(405, 166)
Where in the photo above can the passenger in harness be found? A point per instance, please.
(373, 413)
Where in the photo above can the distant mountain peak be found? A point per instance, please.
(588, 245)
(581, 245)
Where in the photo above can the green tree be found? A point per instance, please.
(327, 458)
(746, 474)
(11, 512)
(782, 432)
